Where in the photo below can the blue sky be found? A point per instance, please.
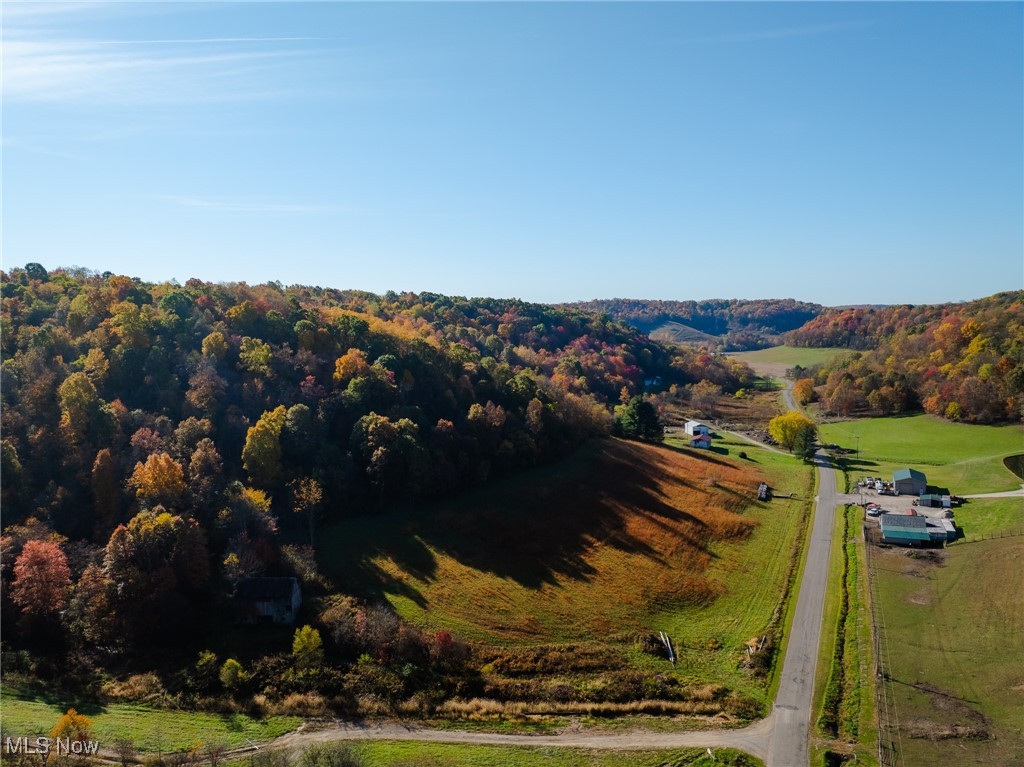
(839, 153)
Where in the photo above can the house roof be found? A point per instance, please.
(694, 423)
(903, 521)
(907, 474)
(265, 588)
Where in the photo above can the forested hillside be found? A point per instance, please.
(738, 324)
(961, 361)
(162, 441)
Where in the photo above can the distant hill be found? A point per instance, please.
(677, 333)
(729, 324)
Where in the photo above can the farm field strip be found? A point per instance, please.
(150, 729)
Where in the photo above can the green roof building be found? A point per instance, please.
(904, 529)
(909, 482)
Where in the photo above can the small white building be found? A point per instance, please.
(695, 428)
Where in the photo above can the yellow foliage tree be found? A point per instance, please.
(352, 364)
(803, 390)
(77, 727)
(160, 480)
(788, 429)
(261, 455)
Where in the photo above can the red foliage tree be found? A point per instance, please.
(41, 578)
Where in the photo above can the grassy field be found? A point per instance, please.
(150, 729)
(753, 574)
(955, 639)
(619, 539)
(406, 754)
(962, 458)
(782, 357)
(982, 517)
(438, 755)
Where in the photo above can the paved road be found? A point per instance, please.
(792, 712)
(781, 739)
(787, 393)
(1004, 494)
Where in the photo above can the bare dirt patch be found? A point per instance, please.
(963, 721)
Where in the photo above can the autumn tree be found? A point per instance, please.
(41, 579)
(307, 648)
(803, 391)
(792, 428)
(307, 497)
(106, 493)
(248, 511)
(233, 675)
(392, 453)
(352, 364)
(90, 614)
(255, 356)
(160, 480)
(261, 455)
(704, 396)
(215, 345)
(74, 726)
(78, 404)
(206, 476)
(157, 564)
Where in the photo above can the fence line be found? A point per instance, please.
(988, 537)
(889, 739)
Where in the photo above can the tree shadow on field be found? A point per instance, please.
(858, 463)
(539, 527)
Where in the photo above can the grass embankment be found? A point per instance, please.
(955, 639)
(619, 539)
(148, 728)
(407, 754)
(844, 685)
(443, 755)
(960, 458)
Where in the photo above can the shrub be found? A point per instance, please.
(232, 675)
(307, 648)
(329, 755)
(138, 688)
(302, 704)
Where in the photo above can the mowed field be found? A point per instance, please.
(776, 360)
(620, 539)
(148, 728)
(954, 620)
(962, 458)
(955, 643)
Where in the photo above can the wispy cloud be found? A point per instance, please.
(45, 61)
(96, 73)
(208, 41)
(780, 33)
(224, 205)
